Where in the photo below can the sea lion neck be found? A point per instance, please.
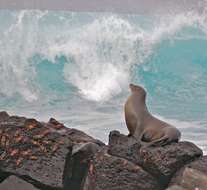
(145, 109)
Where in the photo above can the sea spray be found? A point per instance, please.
(103, 46)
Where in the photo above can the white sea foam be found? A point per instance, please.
(109, 47)
(103, 51)
(16, 45)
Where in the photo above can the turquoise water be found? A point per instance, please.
(77, 67)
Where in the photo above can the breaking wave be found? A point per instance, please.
(95, 54)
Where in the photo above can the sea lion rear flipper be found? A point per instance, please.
(146, 137)
(159, 142)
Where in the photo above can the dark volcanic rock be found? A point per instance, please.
(176, 187)
(114, 173)
(41, 152)
(50, 156)
(125, 147)
(192, 176)
(80, 137)
(33, 150)
(78, 164)
(161, 162)
(15, 183)
(4, 116)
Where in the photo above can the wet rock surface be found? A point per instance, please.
(175, 187)
(38, 152)
(114, 173)
(161, 162)
(192, 176)
(78, 164)
(30, 148)
(15, 183)
(50, 156)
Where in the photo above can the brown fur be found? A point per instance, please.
(142, 125)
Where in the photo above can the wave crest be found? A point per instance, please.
(100, 49)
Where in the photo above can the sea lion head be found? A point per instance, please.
(138, 90)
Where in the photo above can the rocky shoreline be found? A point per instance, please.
(49, 156)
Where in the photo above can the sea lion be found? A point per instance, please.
(146, 128)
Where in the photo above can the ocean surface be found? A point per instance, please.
(76, 67)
